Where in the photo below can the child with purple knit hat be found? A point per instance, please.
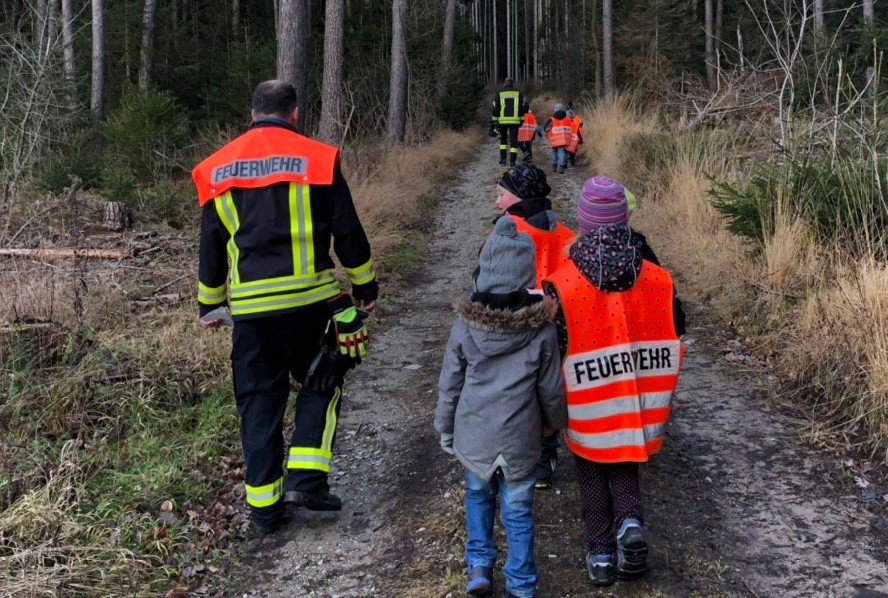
(610, 255)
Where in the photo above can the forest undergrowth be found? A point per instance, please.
(121, 468)
(785, 245)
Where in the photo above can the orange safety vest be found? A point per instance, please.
(261, 157)
(559, 134)
(622, 364)
(551, 245)
(528, 128)
(576, 127)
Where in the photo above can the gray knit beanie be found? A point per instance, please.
(507, 262)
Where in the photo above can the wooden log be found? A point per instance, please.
(64, 253)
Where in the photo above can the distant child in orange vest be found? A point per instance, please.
(576, 135)
(559, 130)
(621, 362)
(528, 131)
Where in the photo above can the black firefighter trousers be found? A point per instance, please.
(508, 142)
(266, 351)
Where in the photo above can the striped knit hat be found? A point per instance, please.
(602, 202)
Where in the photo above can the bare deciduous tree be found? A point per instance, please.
(146, 52)
(294, 49)
(331, 126)
(396, 125)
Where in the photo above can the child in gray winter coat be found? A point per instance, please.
(501, 391)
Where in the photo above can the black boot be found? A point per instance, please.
(319, 500)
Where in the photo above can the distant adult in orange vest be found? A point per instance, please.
(620, 329)
(522, 194)
(576, 135)
(558, 128)
(526, 133)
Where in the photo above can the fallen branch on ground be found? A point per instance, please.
(65, 253)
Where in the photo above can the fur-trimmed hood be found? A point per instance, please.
(496, 331)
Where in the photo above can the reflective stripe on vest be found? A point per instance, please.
(622, 364)
(551, 245)
(508, 114)
(559, 134)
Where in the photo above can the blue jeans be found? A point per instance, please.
(516, 514)
(559, 156)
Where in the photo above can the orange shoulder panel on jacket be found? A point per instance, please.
(264, 156)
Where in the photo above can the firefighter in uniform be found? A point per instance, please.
(508, 112)
(272, 203)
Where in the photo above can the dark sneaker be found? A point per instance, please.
(601, 569)
(561, 170)
(632, 551)
(544, 472)
(480, 581)
(320, 500)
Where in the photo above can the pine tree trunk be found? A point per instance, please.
(331, 125)
(527, 17)
(396, 126)
(41, 24)
(711, 73)
(294, 48)
(97, 94)
(447, 48)
(719, 19)
(868, 20)
(235, 18)
(868, 12)
(146, 53)
(607, 49)
(818, 18)
(68, 44)
(117, 216)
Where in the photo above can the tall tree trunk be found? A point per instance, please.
(146, 53)
(68, 43)
(447, 49)
(868, 20)
(711, 73)
(607, 48)
(396, 125)
(331, 125)
(41, 24)
(596, 49)
(719, 19)
(96, 99)
(235, 18)
(495, 24)
(818, 18)
(868, 12)
(527, 17)
(294, 49)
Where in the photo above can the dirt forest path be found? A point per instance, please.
(736, 504)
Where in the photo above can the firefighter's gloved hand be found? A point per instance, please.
(323, 373)
(493, 131)
(447, 443)
(351, 334)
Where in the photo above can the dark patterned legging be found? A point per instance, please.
(610, 494)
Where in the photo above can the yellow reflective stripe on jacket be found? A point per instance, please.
(301, 229)
(228, 215)
(362, 274)
(318, 458)
(210, 295)
(509, 119)
(284, 300)
(280, 284)
(265, 496)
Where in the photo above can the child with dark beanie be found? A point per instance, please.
(500, 391)
(621, 365)
(522, 194)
